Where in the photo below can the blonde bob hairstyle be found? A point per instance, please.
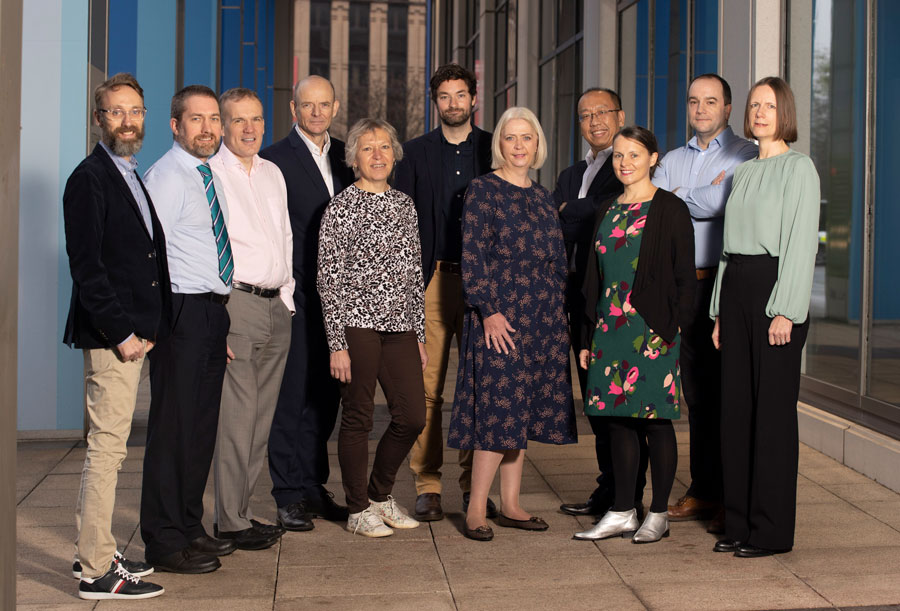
(518, 112)
(365, 126)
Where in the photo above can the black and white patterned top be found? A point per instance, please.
(370, 265)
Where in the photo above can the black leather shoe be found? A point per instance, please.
(294, 517)
(250, 538)
(185, 561)
(271, 529)
(482, 533)
(428, 507)
(491, 508)
(212, 547)
(745, 550)
(532, 523)
(325, 507)
(597, 504)
(726, 545)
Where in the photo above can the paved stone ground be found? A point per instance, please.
(847, 552)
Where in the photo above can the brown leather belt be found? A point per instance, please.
(256, 290)
(448, 267)
(704, 273)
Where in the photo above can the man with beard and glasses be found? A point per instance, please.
(435, 171)
(120, 287)
(187, 368)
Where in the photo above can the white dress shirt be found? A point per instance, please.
(258, 225)
(593, 166)
(320, 157)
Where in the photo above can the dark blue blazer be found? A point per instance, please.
(120, 276)
(307, 198)
(420, 175)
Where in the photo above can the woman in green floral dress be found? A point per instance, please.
(639, 287)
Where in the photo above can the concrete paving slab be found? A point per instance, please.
(844, 562)
(46, 589)
(230, 581)
(868, 491)
(432, 601)
(836, 474)
(886, 511)
(473, 577)
(674, 565)
(165, 603)
(879, 589)
(371, 579)
(607, 597)
(459, 549)
(566, 466)
(296, 552)
(839, 526)
(728, 595)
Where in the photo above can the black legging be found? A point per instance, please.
(624, 436)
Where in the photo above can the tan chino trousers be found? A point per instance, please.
(444, 308)
(110, 392)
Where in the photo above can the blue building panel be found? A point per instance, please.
(230, 52)
(156, 46)
(642, 65)
(122, 36)
(201, 22)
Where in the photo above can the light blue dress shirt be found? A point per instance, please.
(128, 169)
(691, 170)
(178, 194)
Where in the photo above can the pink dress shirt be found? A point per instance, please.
(258, 223)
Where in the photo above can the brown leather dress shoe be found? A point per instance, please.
(692, 508)
(428, 507)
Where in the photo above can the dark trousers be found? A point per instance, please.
(393, 360)
(305, 413)
(760, 388)
(186, 372)
(701, 375)
(628, 437)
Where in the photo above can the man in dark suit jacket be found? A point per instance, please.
(314, 170)
(120, 288)
(580, 190)
(435, 171)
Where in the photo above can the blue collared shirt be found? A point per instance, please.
(178, 194)
(128, 169)
(689, 171)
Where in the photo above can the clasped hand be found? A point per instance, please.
(779, 332)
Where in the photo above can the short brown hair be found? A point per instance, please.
(236, 94)
(122, 79)
(179, 100)
(785, 109)
(642, 136)
(452, 72)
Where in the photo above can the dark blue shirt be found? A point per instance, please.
(458, 162)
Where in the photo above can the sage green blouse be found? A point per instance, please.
(773, 209)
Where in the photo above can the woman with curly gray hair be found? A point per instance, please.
(373, 301)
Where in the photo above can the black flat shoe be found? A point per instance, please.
(491, 508)
(205, 544)
(251, 539)
(482, 533)
(532, 523)
(726, 545)
(294, 517)
(185, 561)
(745, 550)
(325, 507)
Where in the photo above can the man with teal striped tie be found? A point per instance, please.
(187, 369)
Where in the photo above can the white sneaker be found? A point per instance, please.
(368, 524)
(392, 514)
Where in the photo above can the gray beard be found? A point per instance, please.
(119, 148)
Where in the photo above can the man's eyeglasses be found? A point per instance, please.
(599, 114)
(119, 113)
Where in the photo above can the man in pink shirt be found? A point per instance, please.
(260, 308)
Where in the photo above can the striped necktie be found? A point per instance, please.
(220, 231)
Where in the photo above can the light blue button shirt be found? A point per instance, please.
(178, 194)
(691, 171)
(128, 169)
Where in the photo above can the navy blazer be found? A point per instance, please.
(420, 175)
(307, 198)
(120, 276)
(577, 218)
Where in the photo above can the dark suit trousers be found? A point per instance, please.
(760, 388)
(305, 414)
(186, 373)
(701, 375)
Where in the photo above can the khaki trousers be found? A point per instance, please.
(110, 392)
(259, 337)
(444, 310)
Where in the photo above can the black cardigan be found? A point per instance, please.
(665, 279)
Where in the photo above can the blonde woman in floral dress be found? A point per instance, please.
(638, 289)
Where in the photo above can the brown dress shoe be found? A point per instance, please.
(428, 507)
(692, 508)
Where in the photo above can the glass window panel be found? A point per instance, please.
(546, 87)
(512, 29)
(568, 20)
(548, 26)
(885, 336)
(837, 147)
(706, 36)
(500, 47)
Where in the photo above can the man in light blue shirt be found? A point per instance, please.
(700, 173)
(187, 369)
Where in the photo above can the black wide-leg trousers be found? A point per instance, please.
(760, 388)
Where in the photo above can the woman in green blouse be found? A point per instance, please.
(760, 304)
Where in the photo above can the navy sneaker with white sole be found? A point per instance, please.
(139, 569)
(117, 583)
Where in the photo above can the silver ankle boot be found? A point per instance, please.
(654, 528)
(612, 524)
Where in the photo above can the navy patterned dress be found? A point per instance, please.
(513, 262)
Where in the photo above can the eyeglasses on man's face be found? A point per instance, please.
(596, 113)
(117, 114)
